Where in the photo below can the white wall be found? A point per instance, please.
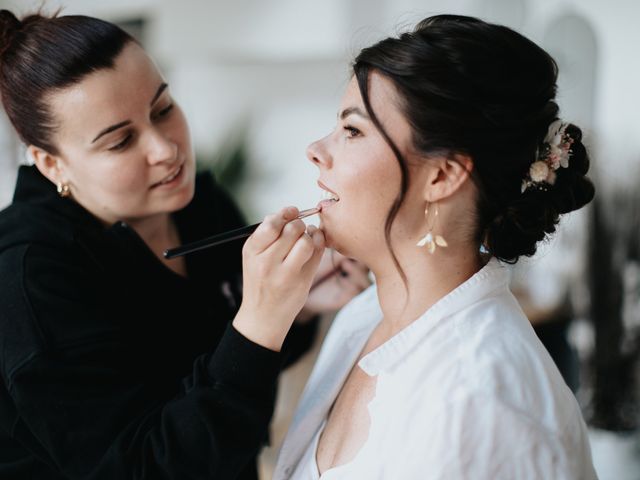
(279, 67)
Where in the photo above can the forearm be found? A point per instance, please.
(212, 425)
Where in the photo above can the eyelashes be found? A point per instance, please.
(127, 139)
(165, 111)
(122, 144)
(352, 132)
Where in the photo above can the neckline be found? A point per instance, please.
(151, 258)
(492, 276)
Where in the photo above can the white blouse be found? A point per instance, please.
(466, 391)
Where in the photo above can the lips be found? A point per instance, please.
(169, 177)
(327, 193)
(329, 197)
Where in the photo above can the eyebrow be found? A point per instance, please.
(161, 89)
(112, 128)
(352, 111)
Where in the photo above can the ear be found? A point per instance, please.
(48, 164)
(446, 176)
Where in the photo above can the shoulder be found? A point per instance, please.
(24, 224)
(32, 237)
(480, 437)
(490, 351)
(43, 288)
(497, 337)
(498, 358)
(499, 401)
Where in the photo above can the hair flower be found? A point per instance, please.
(553, 154)
(539, 171)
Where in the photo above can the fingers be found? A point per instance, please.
(312, 264)
(276, 280)
(271, 228)
(306, 248)
(292, 233)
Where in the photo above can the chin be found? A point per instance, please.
(336, 243)
(184, 197)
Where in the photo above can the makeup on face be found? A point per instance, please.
(328, 196)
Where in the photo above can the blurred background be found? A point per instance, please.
(260, 80)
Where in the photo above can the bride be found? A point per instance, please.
(448, 161)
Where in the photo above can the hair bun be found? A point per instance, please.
(534, 214)
(9, 26)
(521, 226)
(573, 188)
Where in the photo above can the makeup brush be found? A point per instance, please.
(225, 237)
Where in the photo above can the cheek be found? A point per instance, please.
(130, 177)
(374, 184)
(367, 193)
(122, 174)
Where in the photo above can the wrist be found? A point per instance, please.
(305, 315)
(260, 331)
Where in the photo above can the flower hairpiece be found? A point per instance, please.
(555, 153)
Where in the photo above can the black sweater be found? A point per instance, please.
(111, 365)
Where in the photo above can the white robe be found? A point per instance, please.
(466, 391)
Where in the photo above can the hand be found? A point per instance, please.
(337, 281)
(279, 262)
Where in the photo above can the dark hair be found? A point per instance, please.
(39, 55)
(473, 88)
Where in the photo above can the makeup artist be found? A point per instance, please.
(114, 362)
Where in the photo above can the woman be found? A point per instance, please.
(435, 372)
(116, 363)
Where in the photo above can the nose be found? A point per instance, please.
(318, 154)
(161, 148)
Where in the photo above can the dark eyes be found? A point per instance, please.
(351, 131)
(165, 111)
(126, 140)
(122, 144)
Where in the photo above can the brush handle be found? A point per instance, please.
(225, 237)
(211, 241)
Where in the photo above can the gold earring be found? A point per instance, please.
(430, 240)
(63, 189)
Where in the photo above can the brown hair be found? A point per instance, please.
(483, 90)
(41, 54)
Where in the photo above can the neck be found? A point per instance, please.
(159, 232)
(154, 230)
(429, 278)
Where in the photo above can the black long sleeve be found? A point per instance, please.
(88, 412)
(111, 365)
(89, 422)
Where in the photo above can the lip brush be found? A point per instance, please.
(225, 237)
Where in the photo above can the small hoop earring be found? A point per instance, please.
(63, 189)
(430, 240)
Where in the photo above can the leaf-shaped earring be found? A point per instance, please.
(429, 239)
